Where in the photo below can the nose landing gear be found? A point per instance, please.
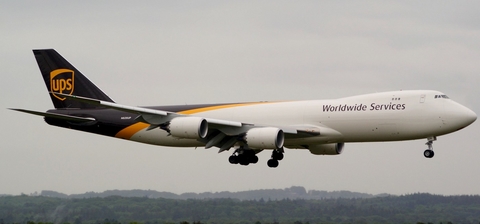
(429, 152)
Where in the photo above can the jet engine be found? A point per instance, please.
(327, 149)
(188, 127)
(265, 138)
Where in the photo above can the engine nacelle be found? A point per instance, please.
(188, 127)
(264, 138)
(327, 149)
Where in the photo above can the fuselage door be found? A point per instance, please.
(422, 98)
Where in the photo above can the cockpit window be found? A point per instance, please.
(441, 96)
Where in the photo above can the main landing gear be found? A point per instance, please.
(429, 152)
(243, 157)
(276, 156)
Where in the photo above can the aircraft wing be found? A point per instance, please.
(114, 105)
(151, 116)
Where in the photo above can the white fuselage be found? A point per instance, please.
(387, 116)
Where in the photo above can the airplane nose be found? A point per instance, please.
(465, 116)
(458, 116)
(470, 116)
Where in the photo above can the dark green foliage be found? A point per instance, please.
(416, 208)
(294, 192)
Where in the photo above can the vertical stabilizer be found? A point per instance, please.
(61, 77)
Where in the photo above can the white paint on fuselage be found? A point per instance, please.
(387, 116)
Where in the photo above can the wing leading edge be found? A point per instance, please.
(150, 116)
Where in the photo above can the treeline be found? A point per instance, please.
(415, 208)
(295, 192)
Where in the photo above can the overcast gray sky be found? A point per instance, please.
(186, 52)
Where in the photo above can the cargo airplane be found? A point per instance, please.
(320, 126)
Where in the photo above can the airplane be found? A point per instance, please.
(320, 126)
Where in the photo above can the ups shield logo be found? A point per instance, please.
(61, 81)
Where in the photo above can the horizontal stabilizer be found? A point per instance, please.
(58, 116)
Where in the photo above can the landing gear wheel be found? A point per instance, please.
(253, 159)
(243, 160)
(243, 156)
(233, 159)
(428, 153)
(277, 155)
(272, 163)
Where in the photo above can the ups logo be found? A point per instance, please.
(61, 81)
